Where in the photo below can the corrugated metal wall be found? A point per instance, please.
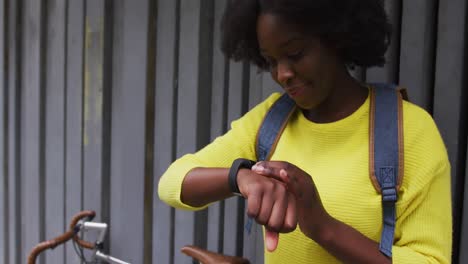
(99, 96)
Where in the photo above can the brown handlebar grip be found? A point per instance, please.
(209, 257)
(60, 239)
(79, 216)
(49, 244)
(74, 222)
(84, 244)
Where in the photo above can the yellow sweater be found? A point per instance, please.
(336, 155)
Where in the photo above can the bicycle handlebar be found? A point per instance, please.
(50, 244)
(74, 222)
(202, 255)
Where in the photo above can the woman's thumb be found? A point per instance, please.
(271, 240)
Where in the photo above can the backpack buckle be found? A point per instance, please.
(389, 195)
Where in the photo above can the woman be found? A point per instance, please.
(315, 189)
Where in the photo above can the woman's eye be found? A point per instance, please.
(296, 55)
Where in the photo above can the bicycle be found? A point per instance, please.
(81, 222)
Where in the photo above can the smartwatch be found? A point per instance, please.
(232, 177)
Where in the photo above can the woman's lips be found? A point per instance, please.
(295, 90)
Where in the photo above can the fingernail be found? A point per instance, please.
(259, 168)
(284, 176)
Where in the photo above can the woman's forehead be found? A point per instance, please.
(273, 31)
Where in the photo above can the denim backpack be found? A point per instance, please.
(385, 147)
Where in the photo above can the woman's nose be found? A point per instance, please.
(284, 73)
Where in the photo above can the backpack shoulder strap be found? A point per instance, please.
(273, 125)
(386, 154)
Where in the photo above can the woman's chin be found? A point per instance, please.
(306, 105)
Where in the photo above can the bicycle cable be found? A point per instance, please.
(80, 253)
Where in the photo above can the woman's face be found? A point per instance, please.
(300, 63)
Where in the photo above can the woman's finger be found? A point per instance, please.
(266, 207)
(292, 182)
(273, 169)
(290, 220)
(278, 212)
(272, 172)
(271, 240)
(276, 164)
(254, 202)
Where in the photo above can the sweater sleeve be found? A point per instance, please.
(424, 215)
(238, 142)
(426, 226)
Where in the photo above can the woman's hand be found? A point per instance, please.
(342, 241)
(269, 203)
(311, 215)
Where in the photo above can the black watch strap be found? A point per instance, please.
(236, 166)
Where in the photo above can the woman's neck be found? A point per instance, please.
(346, 96)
